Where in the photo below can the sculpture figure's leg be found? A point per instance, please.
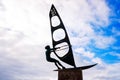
(57, 65)
(60, 64)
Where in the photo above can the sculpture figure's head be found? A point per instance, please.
(47, 47)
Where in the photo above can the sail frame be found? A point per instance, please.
(67, 58)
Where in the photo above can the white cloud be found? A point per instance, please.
(25, 61)
(115, 31)
(103, 41)
(22, 60)
(114, 54)
(97, 60)
(29, 17)
(25, 30)
(85, 53)
(103, 72)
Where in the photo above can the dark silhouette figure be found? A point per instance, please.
(49, 59)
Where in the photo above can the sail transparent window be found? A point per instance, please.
(63, 50)
(55, 21)
(58, 34)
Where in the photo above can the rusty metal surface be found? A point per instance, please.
(70, 74)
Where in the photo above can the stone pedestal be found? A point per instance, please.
(70, 74)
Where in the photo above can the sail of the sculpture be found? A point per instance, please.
(67, 57)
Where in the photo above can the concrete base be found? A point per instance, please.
(70, 74)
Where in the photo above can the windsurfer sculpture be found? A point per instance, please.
(49, 59)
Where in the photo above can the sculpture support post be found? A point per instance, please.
(70, 74)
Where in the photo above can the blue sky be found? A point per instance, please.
(92, 26)
(112, 52)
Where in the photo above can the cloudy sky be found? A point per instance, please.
(93, 27)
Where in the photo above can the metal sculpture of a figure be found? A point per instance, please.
(49, 59)
(60, 44)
